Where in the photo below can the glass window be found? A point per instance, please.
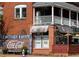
(41, 40)
(20, 11)
(45, 42)
(23, 12)
(38, 43)
(17, 12)
(57, 11)
(73, 15)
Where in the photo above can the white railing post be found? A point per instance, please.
(52, 14)
(69, 17)
(61, 16)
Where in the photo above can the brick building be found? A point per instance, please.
(17, 20)
(53, 26)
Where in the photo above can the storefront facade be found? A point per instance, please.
(53, 27)
(62, 20)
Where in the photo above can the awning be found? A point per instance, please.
(64, 29)
(39, 29)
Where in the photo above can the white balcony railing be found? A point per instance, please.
(65, 21)
(78, 24)
(47, 20)
(73, 22)
(57, 20)
(43, 20)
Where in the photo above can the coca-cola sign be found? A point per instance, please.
(14, 44)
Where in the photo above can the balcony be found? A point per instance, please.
(47, 20)
(57, 20)
(65, 21)
(43, 20)
(73, 22)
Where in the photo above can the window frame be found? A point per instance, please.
(43, 39)
(20, 8)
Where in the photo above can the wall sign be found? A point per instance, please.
(14, 44)
(15, 36)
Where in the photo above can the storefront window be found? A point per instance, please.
(41, 40)
(37, 42)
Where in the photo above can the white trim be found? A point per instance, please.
(20, 6)
(20, 12)
(52, 15)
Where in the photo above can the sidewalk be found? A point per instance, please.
(13, 55)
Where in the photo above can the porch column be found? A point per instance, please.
(52, 14)
(69, 17)
(51, 38)
(61, 16)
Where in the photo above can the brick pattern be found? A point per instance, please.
(15, 26)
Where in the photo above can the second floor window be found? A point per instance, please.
(20, 11)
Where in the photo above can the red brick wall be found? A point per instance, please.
(53, 47)
(51, 36)
(74, 49)
(12, 25)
